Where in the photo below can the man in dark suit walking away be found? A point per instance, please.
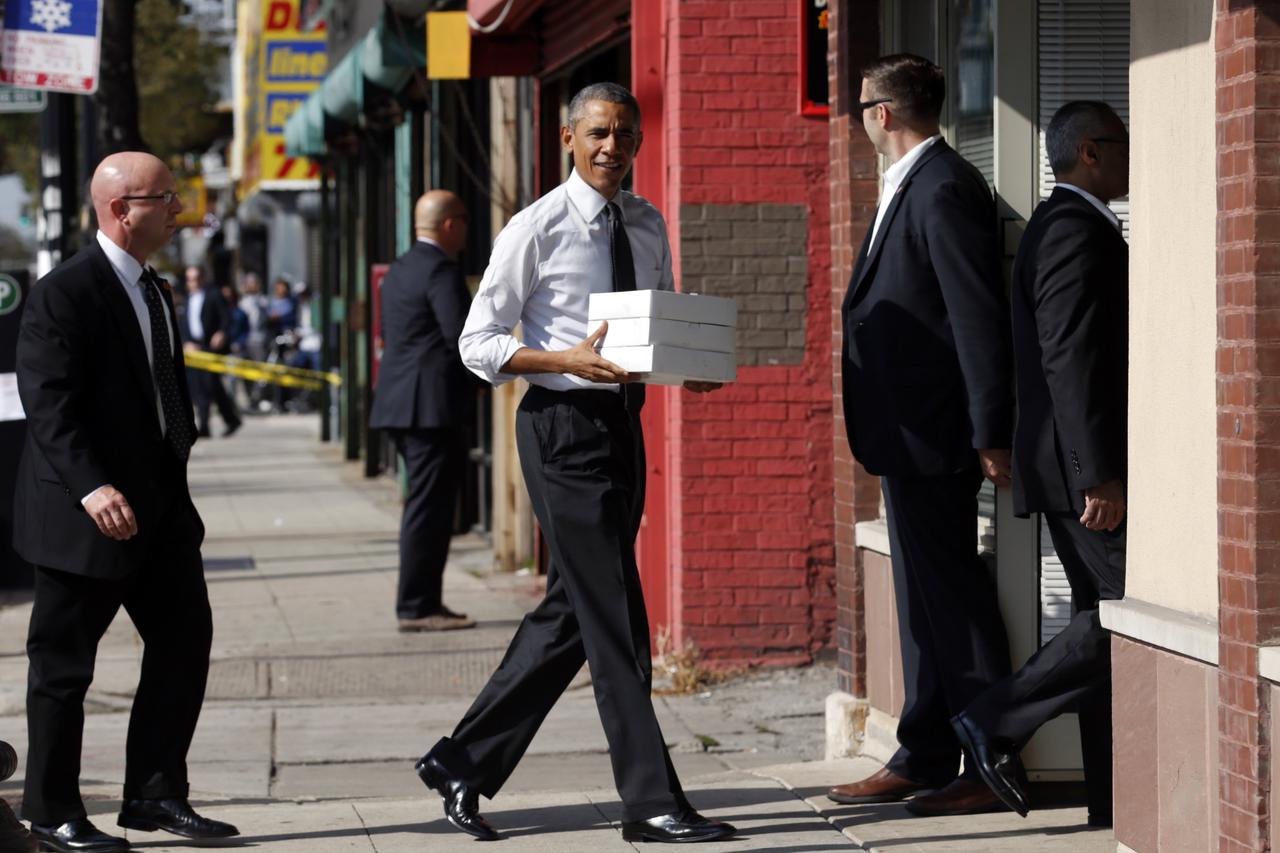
(425, 398)
(1071, 351)
(104, 513)
(928, 407)
(208, 319)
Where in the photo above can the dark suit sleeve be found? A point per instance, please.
(52, 385)
(450, 303)
(961, 232)
(1071, 278)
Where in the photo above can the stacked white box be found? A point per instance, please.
(668, 337)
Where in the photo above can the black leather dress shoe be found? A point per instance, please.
(1000, 768)
(686, 826)
(172, 814)
(461, 801)
(77, 836)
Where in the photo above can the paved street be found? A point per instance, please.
(317, 707)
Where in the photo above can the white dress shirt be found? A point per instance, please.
(1096, 202)
(893, 176)
(195, 305)
(129, 271)
(545, 264)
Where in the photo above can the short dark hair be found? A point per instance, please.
(1074, 122)
(610, 93)
(914, 83)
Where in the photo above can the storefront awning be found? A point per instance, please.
(386, 57)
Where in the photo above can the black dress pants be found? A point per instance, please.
(582, 455)
(1074, 668)
(435, 461)
(169, 605)
(952, 637)
(207, 391)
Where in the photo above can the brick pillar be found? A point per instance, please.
(853, 39)
(1248, 278)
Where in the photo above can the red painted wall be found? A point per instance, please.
(748, 517)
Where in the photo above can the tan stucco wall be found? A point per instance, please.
(1173, 531)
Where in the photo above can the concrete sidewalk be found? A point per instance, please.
(317, 708)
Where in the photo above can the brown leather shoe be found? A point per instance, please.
(437, 622)
(883, 786)
(961, 796)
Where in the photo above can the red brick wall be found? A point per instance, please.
(1248, 133)
(854, 188)
(755, 553)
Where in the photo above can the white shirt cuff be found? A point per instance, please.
(84, 501)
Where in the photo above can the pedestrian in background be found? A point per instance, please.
(928, 406)
(104, 513)
(208, 330)
(425, 400)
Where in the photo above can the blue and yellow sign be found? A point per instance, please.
(286, 64)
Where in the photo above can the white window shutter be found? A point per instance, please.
(1083, 55)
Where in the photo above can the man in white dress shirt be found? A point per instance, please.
(582, 454)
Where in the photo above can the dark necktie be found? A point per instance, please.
(624, 281)
(177, 417)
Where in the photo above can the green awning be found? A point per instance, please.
(304, 131)
(342, 91)
(385, 57)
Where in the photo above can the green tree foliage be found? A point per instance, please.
(176, 73)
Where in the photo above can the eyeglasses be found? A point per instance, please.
(1112, 140)
(168, 197)
(866, 105)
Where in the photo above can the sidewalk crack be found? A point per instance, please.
(605, 818)
(365, 827)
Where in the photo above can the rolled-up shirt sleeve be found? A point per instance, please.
(486, 343)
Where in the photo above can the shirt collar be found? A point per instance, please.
(586, 199)
(125, 264)
(894, 175)
(430, 242)
(1095, 201)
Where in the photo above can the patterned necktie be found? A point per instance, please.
(177, 417)
(624, 281)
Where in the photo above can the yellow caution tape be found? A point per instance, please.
(261, 371)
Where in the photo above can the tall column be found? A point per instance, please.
(853, 39)
(1248, 273)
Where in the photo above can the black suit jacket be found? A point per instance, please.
(90, 401)
(925, 360)
(215, 316)
(1071, 351)
(421, 381)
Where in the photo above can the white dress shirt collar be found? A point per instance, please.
(430, 242)
(894, 174)
(586, 198)
(1096, 202)
(125, 264)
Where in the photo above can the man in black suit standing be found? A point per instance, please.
(425, 398)
(1070, 452)
(208, 319)
(928, 407)
(104, 513)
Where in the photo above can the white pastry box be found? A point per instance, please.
(668, 337)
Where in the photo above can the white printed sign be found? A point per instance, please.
(51, 44)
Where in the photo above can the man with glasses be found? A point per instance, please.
(1070, 457)
(928, 407)
(103, 511)
(425, 399)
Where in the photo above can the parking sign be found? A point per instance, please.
(51, 44)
